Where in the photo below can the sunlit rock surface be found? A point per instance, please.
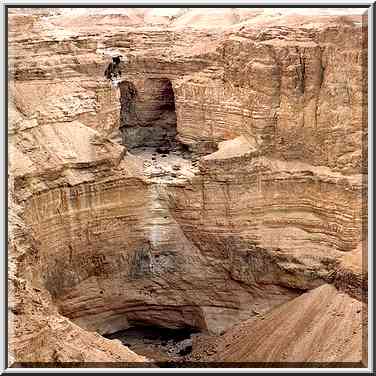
(269, 203)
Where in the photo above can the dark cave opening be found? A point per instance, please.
(157, 343)
(149, 129)
(148, 117)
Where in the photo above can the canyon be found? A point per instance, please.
(218, 188)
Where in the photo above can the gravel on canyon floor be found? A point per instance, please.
(169, 166)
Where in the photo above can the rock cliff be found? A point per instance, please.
(270, 112)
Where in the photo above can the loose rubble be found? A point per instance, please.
(167, 164)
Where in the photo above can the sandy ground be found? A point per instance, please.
(166, 165)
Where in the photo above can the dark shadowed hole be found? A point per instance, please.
(148, 117)
(185, 351)
(160, 344)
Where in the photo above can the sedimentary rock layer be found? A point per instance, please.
(38, 333)
(322, 326)
(275, 208)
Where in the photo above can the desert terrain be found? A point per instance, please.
(207, 207)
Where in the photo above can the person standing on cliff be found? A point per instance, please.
(113, 71)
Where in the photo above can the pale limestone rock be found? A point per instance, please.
(276, 208)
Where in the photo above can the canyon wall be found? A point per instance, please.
(276, 210)
(293, 333)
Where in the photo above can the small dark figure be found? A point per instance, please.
(116, 60)
(113, 70)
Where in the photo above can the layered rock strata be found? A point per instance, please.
(294, 333)
(275, 208)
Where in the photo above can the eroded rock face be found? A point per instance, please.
(148, 116)
(294, 332)
(38, 333)
(275, 207)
